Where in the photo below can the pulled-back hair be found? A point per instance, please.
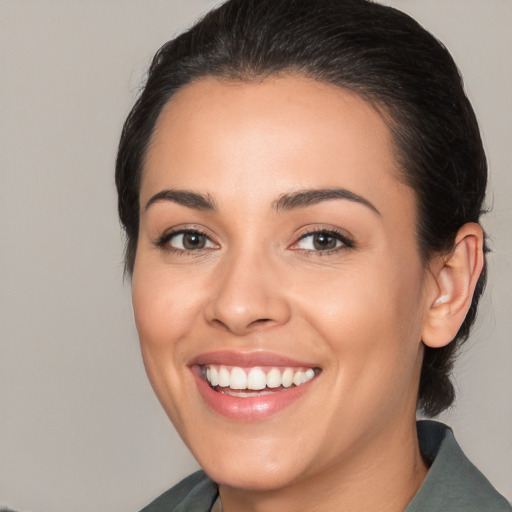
(377, 52)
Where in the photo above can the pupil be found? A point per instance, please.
(193, 241)
(322, 242)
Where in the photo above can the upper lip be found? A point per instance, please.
(248, 359)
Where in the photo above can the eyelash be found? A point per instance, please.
(163, 241)
(346, 242)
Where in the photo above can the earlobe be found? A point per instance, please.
(455, 279)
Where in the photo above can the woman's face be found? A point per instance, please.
(277, 245)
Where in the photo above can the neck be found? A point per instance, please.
(383, 476)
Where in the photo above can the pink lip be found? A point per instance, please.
(249, 359)
(251, 408)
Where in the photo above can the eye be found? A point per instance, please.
(186, 240)
(323, 241)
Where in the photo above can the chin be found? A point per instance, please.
(249, 462)
(252, 477)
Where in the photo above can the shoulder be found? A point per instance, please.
(453, 482)
(196, 493)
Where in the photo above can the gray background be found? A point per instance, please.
(80, 429)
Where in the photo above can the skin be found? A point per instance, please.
(357, 312)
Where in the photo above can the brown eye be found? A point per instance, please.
(186, 241)
(193, 241)
(323, 242)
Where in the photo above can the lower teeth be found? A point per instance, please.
(247, 393)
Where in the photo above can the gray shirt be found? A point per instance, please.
(453, 483)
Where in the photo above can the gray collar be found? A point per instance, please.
(453, 483)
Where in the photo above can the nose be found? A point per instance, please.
(248, 295)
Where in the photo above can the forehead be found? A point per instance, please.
(287, 132)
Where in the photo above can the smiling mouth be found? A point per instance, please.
(256, 381)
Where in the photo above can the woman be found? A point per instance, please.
(301, 184)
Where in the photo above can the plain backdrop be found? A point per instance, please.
(80, 429)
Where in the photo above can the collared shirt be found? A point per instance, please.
(453, 483)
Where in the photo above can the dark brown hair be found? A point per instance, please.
(375, 51)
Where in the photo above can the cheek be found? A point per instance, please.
(372, 291)
(165, 307)
(369, 314)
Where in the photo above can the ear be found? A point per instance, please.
(455, 276)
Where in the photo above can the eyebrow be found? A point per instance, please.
(286, 202)
(186, 198)
(305, 198)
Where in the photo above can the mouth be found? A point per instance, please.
(251, 386)
(248, 382)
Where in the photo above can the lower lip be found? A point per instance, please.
(250, 408)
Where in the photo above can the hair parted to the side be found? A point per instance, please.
(375, 51)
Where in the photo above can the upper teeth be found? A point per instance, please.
(256, 378)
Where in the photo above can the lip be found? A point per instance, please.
(248, 359)
(250, 408)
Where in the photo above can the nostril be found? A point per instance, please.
(220, 324)
(262, 320)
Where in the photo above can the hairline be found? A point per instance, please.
(232, 76)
